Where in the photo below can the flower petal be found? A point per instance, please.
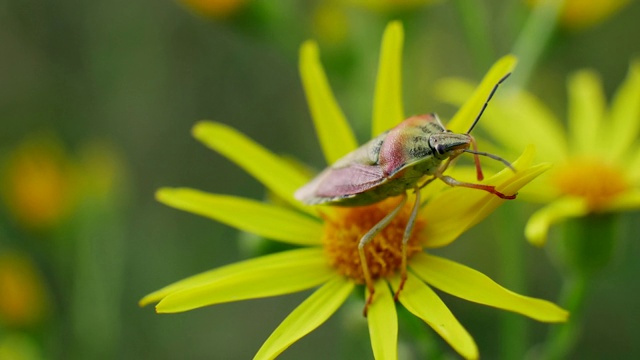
(469, 111)
(266, 220)
(630, 200)
(314, 311)
(535, 123)
(539, 191)
(538, 225)
(230, 270)
(274, 172)
(275, 276)
(634, 165)
(466, 283)
(586, 111)
(334, 133)
(387, 100)
(625, 115)
(455, 211)
(424, 303)
(383, 322)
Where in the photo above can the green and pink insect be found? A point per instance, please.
(407, 157)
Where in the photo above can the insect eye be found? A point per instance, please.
(436, 145)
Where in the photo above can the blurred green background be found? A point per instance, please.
(107, 92)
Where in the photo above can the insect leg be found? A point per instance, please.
(405, 241)
(366, 239)
(476, 159)
(492, 189)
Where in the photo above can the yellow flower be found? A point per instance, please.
(19, 346)
(329, 235)
(597, 159)
(330, 22)
(390, 5)
(580, 14)
(23, 301)
(39, 183)
(217, 9)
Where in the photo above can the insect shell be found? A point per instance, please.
(386, 166)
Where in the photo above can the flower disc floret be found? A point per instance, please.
(346, 226)
(599, 183)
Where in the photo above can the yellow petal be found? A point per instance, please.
(383, 322)
(539, 191)
(273, 171)
(586, 110)
(334, 133)
(387, 101)
(625, 115)
(314, 311)
(520, 118)
(455, 211)
(634, 165)
(538, 225)
(630, 200)
(471, 285)
(463, 119)
(230, 270)
(514, 120)
(276, 276)
(505, 179)
(266, 220)
(424, 303)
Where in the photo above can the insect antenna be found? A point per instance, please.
(487, 102)
(494, 157)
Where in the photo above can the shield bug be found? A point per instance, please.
(407, 157)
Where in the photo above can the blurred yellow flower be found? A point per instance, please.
(330, 22)
(39, 183)
(329, 236)
(580, 14)
(597, 161)
(102, 170)
(17, 346)
(390, 5)
(217, 9)
(23, 301)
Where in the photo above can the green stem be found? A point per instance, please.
(98, 280)
(476, 28)
(562, 338)
(534, 38)
(513, 327)
(586, 248)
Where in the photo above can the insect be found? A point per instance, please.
(394, 163)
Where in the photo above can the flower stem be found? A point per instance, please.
(562, 338)
(476, 29)
(534, 38)
(513, 327)
(587, 246)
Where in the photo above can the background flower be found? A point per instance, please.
(595, 160)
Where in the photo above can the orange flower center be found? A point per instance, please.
(591, 179)
(345, 226)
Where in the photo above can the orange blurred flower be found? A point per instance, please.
(218, 9)
(580, 14)
(23, 301)
(39, 183)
